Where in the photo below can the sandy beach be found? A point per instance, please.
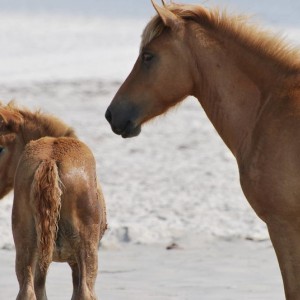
(213, 270)
(176, 183)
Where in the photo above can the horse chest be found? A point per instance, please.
(271, 187)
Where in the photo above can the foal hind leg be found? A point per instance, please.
(75, 277)
(25, 243)
(85, 271)
(25, 268)
(40, 283)
(286, 241)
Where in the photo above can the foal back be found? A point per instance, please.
(58, 214)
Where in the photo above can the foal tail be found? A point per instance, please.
(46, 197)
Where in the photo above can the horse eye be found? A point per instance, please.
(1, 149)
(147, 57)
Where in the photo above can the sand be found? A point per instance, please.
(214, 270)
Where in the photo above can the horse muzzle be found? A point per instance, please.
(122, 123)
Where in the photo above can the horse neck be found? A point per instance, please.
(233, 86)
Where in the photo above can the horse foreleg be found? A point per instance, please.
(285, 237)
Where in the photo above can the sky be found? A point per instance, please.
(282, 11)
(100, 7)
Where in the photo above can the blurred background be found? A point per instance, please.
(177, 180)
(42, 40)
(142, 8)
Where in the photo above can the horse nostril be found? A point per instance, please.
(108, 116)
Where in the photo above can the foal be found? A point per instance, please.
(58, 210)
(248, 83)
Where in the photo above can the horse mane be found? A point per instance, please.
(235, 27)
(39, 124)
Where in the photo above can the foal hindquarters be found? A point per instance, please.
(58, 215)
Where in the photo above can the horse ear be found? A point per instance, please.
(10, 120)
(168, 18)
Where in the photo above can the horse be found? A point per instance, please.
(58, 208)
(247, 80)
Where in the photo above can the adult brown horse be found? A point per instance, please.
(58, 210)
(248, 83)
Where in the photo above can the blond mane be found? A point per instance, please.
(37, 123)
(237, 28)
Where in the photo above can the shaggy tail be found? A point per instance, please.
(46, 197)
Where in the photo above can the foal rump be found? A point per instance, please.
(46, 199)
